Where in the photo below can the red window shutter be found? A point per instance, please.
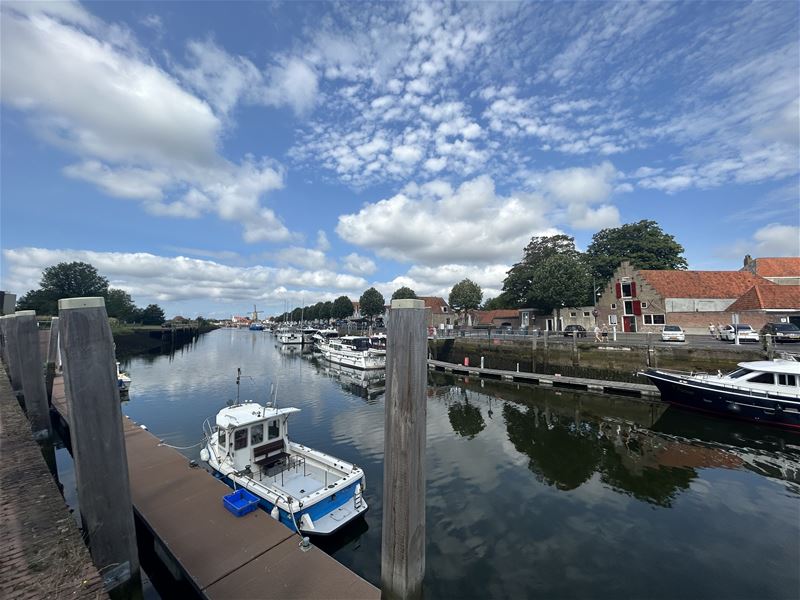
(619, 289)
(637, 307)
(633, 289)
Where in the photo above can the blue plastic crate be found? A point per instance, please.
(240, 502)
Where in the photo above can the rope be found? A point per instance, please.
(163, 443)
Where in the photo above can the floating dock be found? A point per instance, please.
(624, 388)
(222, 556)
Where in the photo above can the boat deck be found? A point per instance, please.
(300, 480)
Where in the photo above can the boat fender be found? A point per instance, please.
(275, 513)
(205, 455)
(306, 522)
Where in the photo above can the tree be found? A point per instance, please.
(371, 303)
(404, 293)
(557, 282)
(504, 300)
(296, 314)
(119, 304)
(465, 295)
(643, 243)
(152, 314)
(342, 308)
(327, 310)
(64, 280)
(517, 283)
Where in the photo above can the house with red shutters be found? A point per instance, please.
(646, 300)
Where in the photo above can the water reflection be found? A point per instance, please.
(531, 492)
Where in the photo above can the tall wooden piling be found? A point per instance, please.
(52, 359)
(31, 375)
(12, 352)
(533, 352)
(403, 537)
(98, 445)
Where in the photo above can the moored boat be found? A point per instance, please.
(354, 351)
(307, 490)
(308, 335)
(763, 391)
(288, 335)
(323, 336)
(123, 380)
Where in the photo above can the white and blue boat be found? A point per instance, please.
(123, 380)
(308, 491)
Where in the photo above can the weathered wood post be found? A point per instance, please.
(12, 352)
(52, 359)
(649, 349)
(3, 342)
(575, 348)
(31, 376)
(98, 443)
(403, 536)
(535, 341)
(770, 347)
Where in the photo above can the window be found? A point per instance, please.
(739, 373)
(784, 379)
(613, 306)
(240, 439)
(628, 307)
(612, 320)
(256, 434)
(654, 319)
(627, 292)
(573, 314)
(586, 313)
(221, 439)
(644, 304)
(763, 378)
(273, 430)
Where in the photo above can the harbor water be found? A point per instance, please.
(531, 492)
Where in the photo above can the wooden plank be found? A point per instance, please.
(98, 446)
(403, 535)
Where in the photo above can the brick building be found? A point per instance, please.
(763, 304)
(509, 317)
(438, 312)
(646, 300)
(783, 270)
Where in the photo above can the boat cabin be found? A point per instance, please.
(351, 342)
(770, 373)
(253, 436)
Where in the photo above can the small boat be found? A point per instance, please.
(764, 391)
(307, 490)
(308, 335)
(323, 336)
(288, 335)
(256, 327)
(354, 351)
(123, 380)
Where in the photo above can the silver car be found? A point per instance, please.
(746, 333)
(672, 333)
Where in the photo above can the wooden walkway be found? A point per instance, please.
(221, 555)
(578, 383)
(42, 554)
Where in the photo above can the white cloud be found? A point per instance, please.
(359, 265)
(434, 224)
(292, 82)
(148, 277)
(776, 239)
(89, 89)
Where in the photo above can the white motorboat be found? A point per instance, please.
(123, 380)
(288, 335)
(354, 351)
(307, 490)
(308, 335)
(323, 336)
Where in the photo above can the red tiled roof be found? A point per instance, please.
(702, 284)
(760, 297)
(435, 303)
(487, 316)
(788, 266)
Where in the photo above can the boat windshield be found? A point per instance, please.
(739, 373)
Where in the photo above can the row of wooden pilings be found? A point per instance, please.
(81, 343)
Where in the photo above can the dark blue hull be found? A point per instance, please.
(767, 409)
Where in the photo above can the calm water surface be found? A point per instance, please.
(531, 492)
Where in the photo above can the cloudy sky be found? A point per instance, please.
(211, 156)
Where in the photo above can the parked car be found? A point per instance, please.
(672, 333)
(746, 333)
(575, 330)
(782, 332)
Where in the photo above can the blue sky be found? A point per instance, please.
(211, 156)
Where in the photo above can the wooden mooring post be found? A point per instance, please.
(12, 356)
(52, 359)
(98, 444)
(29, 360)
(403, 536)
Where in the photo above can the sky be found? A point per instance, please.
(214, 156)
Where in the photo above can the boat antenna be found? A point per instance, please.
(238, 378)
